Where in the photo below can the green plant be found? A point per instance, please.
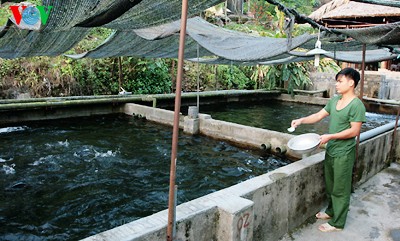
(145, 76)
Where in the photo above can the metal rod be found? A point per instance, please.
(175, 200)
(120, 74)
(355, 169)
(175, 133)
(392, 149)
(362, 72)
(198, 78)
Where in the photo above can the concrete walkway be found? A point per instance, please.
(374, 213)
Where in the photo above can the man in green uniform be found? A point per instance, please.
(347, 114)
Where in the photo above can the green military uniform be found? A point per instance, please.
(339, 159)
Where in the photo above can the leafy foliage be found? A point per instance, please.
(216, 77)
(148, 76)
(44, 76)
(304, 7)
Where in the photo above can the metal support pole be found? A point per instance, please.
(175, 133)
(392, 148)
(174, 224)
(198, 78)
(120, 74)
(361, 98)
(362, 72)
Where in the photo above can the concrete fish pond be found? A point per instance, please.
(72, 178)
(109, 172)
(277, 115)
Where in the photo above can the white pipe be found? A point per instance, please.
(280, 150)
(377, 131)
(266, 146)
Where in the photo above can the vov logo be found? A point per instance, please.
(28, 16)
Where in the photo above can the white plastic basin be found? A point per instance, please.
(304, 144)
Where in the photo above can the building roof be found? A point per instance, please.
(341, 9)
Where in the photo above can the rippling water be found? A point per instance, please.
(277, 116)
(72, 178)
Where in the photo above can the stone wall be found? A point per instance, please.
(390, 87)
(323, 81)
(378, 84)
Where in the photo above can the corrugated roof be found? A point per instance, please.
(338, 9)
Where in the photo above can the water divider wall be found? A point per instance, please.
(242, 135)
(304, 99)
(21, 110)
(262, 208)
(162, 116)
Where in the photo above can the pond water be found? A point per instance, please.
(277, 116)
(71, 178)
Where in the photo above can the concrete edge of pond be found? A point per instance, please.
(31, 109)
(243, 212)
(373, 213)
(263, 208)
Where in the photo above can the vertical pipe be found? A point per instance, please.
(361, 97)
(120, 77)
(198, 78)
(174, 224)
(175, 133)
(362, 72)
(216, 76)
(392, 148)
(173, 80)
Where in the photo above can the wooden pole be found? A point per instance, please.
(175, 133)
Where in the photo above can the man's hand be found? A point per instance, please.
(296, 123)
(325, 138)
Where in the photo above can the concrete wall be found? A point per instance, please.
(49, 113)
(378, 84)
(161, 116)
(17, 111)
(257, 209)
(375, 154)
(323, 81)
(262, 208)
(390, 88)
(248, 136)
(304, 99)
